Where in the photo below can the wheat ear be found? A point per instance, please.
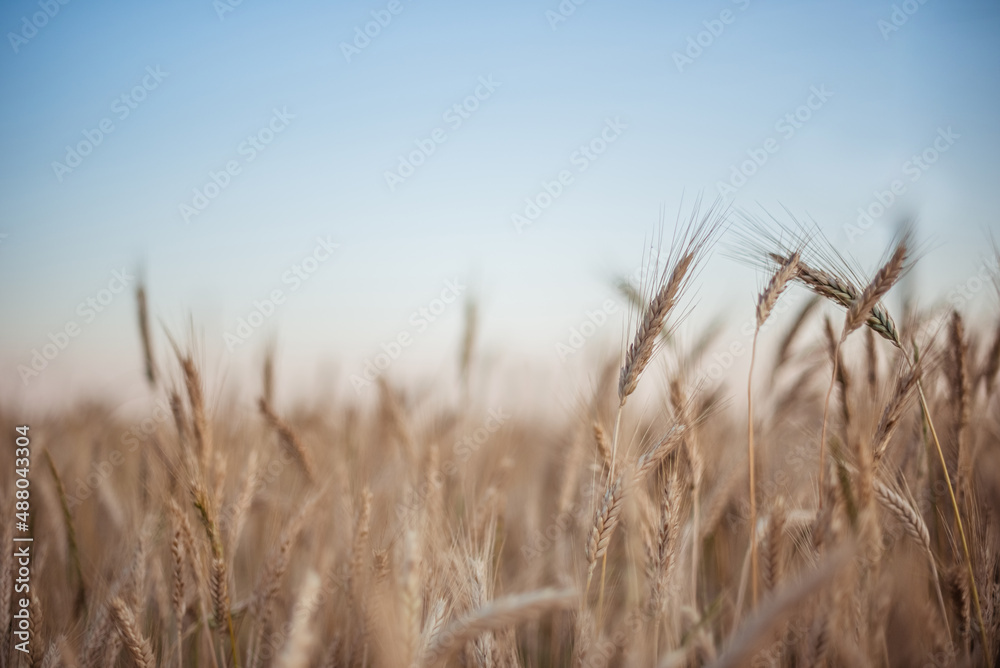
(497, 614)
(289, 439)
(765, 304)
(137, 645)
(778, 607)
(915, 527)
(861, 309)
(144, 334)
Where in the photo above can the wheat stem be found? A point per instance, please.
(958, 520)
(751, 466)
(826, 413)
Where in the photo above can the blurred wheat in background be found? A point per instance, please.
(844, 516)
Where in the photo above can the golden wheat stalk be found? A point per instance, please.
(842, 292)
(686, 252)
(765, 304)
(496, 614)
(779, 607)
(137, 645)
(289, 439)
(861, 309)
(907, 515)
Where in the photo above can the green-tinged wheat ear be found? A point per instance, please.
(860, 310)
(842, 292)
(145, 334)
(267, 373)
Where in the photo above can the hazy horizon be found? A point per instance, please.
(229, 151)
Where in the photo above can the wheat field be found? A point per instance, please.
(843, 514)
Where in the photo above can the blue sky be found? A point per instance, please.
(345, 122)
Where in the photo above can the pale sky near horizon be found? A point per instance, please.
(223, 150)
